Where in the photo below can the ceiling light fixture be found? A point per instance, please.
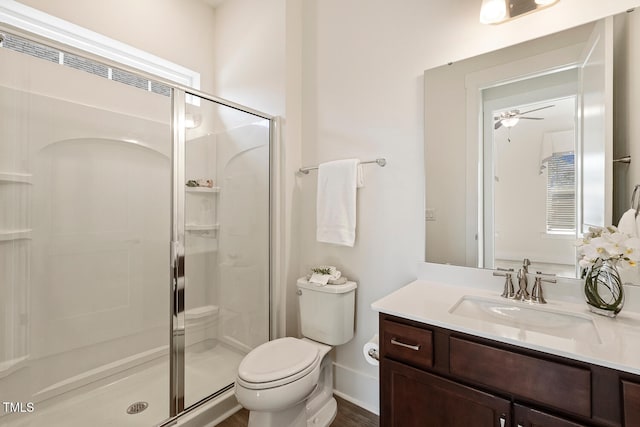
(493, 11)
(510, 122)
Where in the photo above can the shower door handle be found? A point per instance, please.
(177, 268)
(177, 342)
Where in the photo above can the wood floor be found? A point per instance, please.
(349, 415)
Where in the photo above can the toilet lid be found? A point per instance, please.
(278, 359)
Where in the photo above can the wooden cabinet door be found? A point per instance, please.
(527, 417)
(413, 398)
(631, 403)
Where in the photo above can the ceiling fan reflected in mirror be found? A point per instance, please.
(511, 118)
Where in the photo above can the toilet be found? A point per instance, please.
(288, 382)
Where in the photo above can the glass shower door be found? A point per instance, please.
(226, 240)
(84, 235)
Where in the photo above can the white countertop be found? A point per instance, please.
(615, 345)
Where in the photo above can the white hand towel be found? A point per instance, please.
(336, 202)
(341, 281)
(360, 177)
(319, 279)
(628, 224)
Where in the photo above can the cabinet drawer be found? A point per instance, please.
(561, 386)
(407, 344)
(631, 403)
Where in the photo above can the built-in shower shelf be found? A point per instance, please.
(203, 189)
(15, 235)
(200, 250)
(23, 178)
(201, 227)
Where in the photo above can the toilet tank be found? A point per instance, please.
(327, 312)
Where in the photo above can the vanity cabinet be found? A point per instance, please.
(432, 376)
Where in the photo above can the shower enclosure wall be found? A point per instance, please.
(134, 241)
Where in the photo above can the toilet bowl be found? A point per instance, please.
(288, 382)
(279, 374)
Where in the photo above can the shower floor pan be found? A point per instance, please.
(206, 370)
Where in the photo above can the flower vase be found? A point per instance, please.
(603, 288)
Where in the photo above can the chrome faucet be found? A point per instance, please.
(536, 292)
(508, 291)
(523, 284)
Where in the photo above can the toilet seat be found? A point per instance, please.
(279, 362)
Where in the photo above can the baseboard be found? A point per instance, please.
(357, 387)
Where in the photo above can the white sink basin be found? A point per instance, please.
(528, 318)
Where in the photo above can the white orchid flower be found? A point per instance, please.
(632, 251)
(601, 245)
(586, 263)
(608, 243)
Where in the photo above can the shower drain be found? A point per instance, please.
(136, 408)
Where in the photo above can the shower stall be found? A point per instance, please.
(134, 241)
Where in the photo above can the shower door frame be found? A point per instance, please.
(179, 94)
(177, 298)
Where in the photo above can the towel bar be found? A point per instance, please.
(382, 162)
(625, 159)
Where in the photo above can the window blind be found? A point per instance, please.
(561, 193)
(19, 44)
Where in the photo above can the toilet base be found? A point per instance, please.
(297, 416)
(316, 410)
(325, 416)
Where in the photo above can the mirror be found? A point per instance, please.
(520, 146)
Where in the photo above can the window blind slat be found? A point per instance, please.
(561, 194)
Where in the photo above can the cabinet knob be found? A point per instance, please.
(503, 420)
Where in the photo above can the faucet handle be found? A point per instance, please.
(536, 293)
(504, 272)
(545, 277)
(508, 291)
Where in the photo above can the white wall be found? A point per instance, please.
(249, 53)
(361, 98)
